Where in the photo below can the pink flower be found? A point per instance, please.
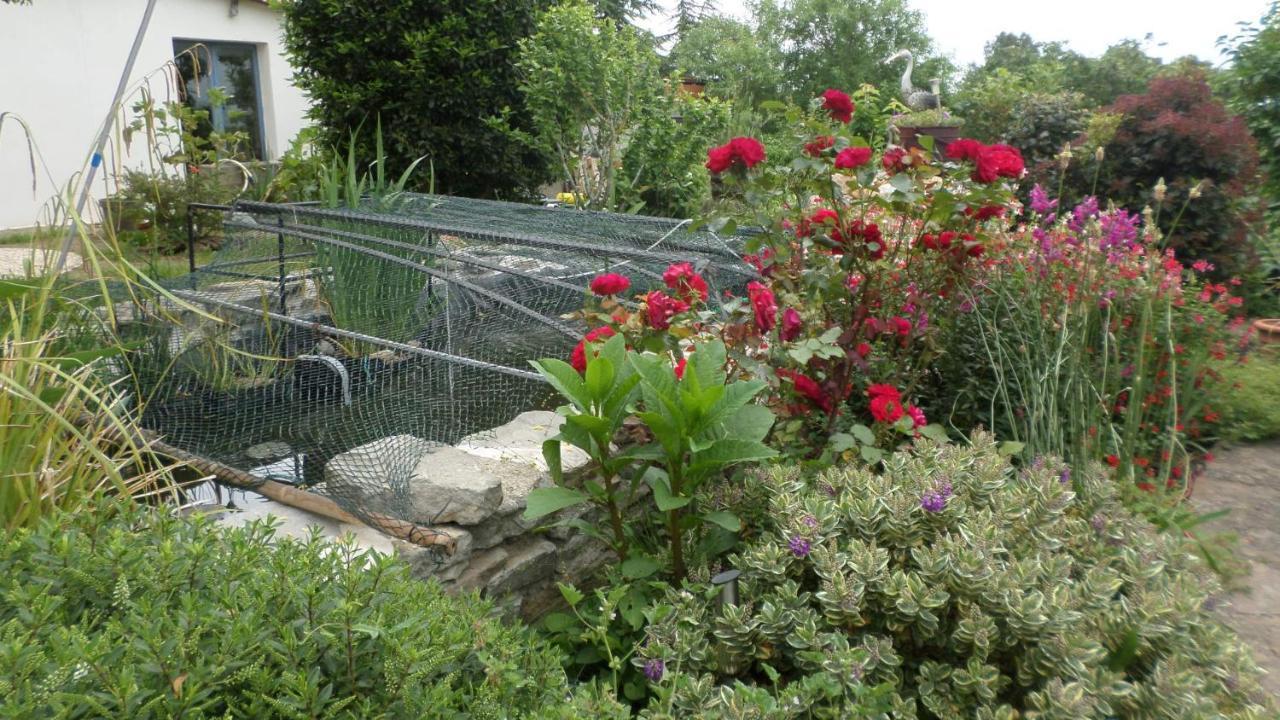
(578, 358)
(791, 325)
(838, 104)
(918, 420)
(765, 305)
(852, 157)
(682, 278)
(661, 307)
(609, 284)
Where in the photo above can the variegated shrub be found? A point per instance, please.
(951, 585)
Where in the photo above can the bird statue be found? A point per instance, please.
(914, 97)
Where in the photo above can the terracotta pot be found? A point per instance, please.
(909, 137)
(1267, 329)
(692, 86)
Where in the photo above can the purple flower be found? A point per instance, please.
(1040, 202)
(1119, 230)
(935, 501)
(654, 668)
(1086, 210)
(810, 521)
(1064, 476)
(799, 546)
(1098, 522)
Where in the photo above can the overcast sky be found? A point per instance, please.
(1178, 27)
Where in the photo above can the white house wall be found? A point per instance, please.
(60, 61)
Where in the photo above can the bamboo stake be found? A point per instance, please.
(294, 497)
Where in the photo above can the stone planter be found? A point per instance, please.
(909, 137)
(1268, 330)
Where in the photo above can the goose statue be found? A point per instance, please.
(914, 97)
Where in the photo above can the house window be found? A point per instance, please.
(222, 79)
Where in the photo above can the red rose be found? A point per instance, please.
(661, 307)
(819, 144)
(886, 409)
(809, 388)
(609, 284)
(852, 157)
(986, 212)
(838, 104)
(764, 304)
(863, 349)
(682, 278)
(719, 159)
(1113, 461)
(825, 217)
(791, 325)
(997, 161)
(744, 151)
(964, 149)
(893, 159)
(882, 390)
(578, 358)
(679, 368)
(901, 325)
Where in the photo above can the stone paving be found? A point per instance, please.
(13, 260)
(1246, 480)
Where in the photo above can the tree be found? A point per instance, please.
(736, 62)
(585, 82)
(843, 43)
(432, 70)
(1253, 84)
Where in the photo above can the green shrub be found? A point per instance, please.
(1250, 410)
(965, 589)
(433, 70)
(132, 612)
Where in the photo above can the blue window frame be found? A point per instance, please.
(232, 68)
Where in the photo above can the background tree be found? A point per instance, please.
(1253, 85)
(843, 43)
(432, 70)
(737, 63)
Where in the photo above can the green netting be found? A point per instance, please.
(385, 329)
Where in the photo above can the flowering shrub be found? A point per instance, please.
(953, 586)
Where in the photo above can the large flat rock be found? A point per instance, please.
(520, 441)
(295, 523)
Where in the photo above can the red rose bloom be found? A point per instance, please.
(986, 212)
(809, 388)
(661, 307)
(791, 325)
(886, 409)
(744, 151)
(764, 304)
(609, 284)
(882, 390)
(578, 358)
(901, 325)
(838, 104)
(852, 157)
(997, 161)
(682, 278)
(964, 149)
(819, 144)
(892, 160)
(863, 349)
(825, 217)
(679, 368)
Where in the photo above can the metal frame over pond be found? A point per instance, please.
(337, 349)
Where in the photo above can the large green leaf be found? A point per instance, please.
(662, 495)
(729, 451)
(706, 363)
(551, 453)
(564, 379)
(599, 378)
(639, 566)
(726, 520)
(544, 501)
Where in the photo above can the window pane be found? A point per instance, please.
(222, 80)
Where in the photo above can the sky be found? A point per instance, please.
(961, 28)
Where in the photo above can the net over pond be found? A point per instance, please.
(340, 349)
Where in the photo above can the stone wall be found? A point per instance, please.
(475, 491)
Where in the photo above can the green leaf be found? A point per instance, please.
(726, 520)
(564, 379)
(662, 495)
(863, 434)
(571, 594)
(551, 453)
(592, 424)
(935, 432)
(706, 363)
(1123, 656)
(559, 622)
(1009, 448)
(752, 422)
(599, 379)
(638, 567)
(840, 442)
(871, 455)
(544, 501)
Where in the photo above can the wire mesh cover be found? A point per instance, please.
(387, 330)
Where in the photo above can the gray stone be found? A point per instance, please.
(581, 556)
(431, 562)
(483, 566)
(501, 525)
(449, 485)
(376, 467)
(521, 441)
(270, 450)
(528, 560)
(299, 524)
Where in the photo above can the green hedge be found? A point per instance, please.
(124, 612)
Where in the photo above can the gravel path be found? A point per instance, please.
(1246, 479)
(13, 260)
